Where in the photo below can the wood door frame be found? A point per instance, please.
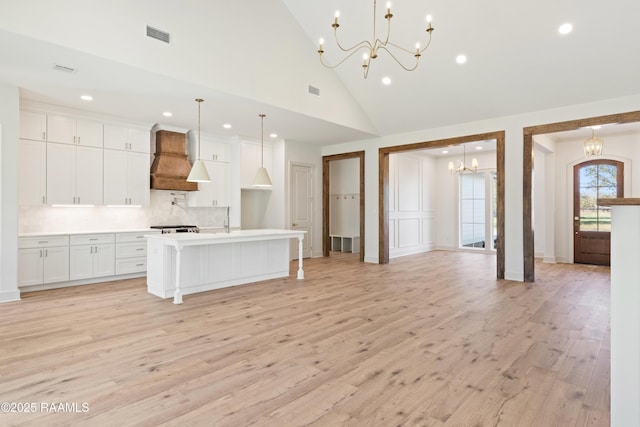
(383, 190)
(326, 214)
(527, 174)
(576, 193)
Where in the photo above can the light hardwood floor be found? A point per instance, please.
(431, 339)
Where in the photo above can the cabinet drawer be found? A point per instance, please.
(91, 239)
(131, 265)
(130, 250)
(134, 237)
(42, 241)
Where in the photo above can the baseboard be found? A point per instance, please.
(549, 260)
(8, 296)
(516, 276)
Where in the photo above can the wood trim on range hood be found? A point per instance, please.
(171, 167)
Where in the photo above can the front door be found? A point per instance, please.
(593, 180)
(301, 206)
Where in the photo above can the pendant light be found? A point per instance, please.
(262, 179)
(593, 146)
(198, 170)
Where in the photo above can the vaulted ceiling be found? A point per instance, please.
(259, 56)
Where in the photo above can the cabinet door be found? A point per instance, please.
(80, 262)
(89, 176)
(55, 264)
(221, 178)
(61, 174)
(139, 140)
(61, 129)
(33, 126)
(212, 150)
(104, 258)
(32, 168)
(138, 178)
(116, 137)
(115, 177)
(89, 133)
(30, 266)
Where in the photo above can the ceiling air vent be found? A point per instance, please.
(157, 34)
(314, 90)
(59, 67)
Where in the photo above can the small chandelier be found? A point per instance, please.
(462, 166)
(372, 47)
(198, 170)
(593, 146)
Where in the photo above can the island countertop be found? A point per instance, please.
(192, 239)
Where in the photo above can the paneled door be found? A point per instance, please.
(593, 180)
(301, 207)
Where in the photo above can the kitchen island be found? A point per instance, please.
(187, 263)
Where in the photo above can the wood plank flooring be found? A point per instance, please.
(427, 340)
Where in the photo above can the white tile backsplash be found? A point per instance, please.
(161, 211)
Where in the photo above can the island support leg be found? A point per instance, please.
(177, 296)
(300, 270)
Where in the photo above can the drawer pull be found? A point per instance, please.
(92, 240)
(43, 241)
(139, 237)
(139, 265)
(140, 249)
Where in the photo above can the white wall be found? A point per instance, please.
(513, 127)
(412, 204)
(9, 106)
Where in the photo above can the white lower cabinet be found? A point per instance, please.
(91, 255)
(131, 252)
(43, 260)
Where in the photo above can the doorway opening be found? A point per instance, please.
(355, 200)
(528, 168)
(384, 190)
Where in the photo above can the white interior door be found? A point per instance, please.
(301, 207)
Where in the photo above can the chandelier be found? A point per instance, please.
(372, 47)
(462, 166)
(593, 146)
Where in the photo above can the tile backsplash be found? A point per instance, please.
(165, 208)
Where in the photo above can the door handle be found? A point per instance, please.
(294, 224)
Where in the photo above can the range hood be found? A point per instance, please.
(171, 167)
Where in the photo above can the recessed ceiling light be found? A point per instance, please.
(86, 97)
(273, 135)
(386, 81)
(167, 114)
(478, 148)
(565, 28)
(461, 59)
(596, 127)
(226, 126)
(445, 151)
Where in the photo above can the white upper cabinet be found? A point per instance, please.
(69, 130)
(33, 126)
(251, 160)
(74, 175)
(212, 149)
(32, 172)
(126, 178)
(125, 138)
(216, 192)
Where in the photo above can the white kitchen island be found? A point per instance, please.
(187, 263)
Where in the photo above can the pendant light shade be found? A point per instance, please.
(198, 170)
(262, 179)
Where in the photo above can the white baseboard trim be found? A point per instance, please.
(516, 276)
(8, 296)
(549, 259)
(371, 260)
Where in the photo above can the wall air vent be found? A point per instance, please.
(157, 34)
(63, 68)
(314, 90)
